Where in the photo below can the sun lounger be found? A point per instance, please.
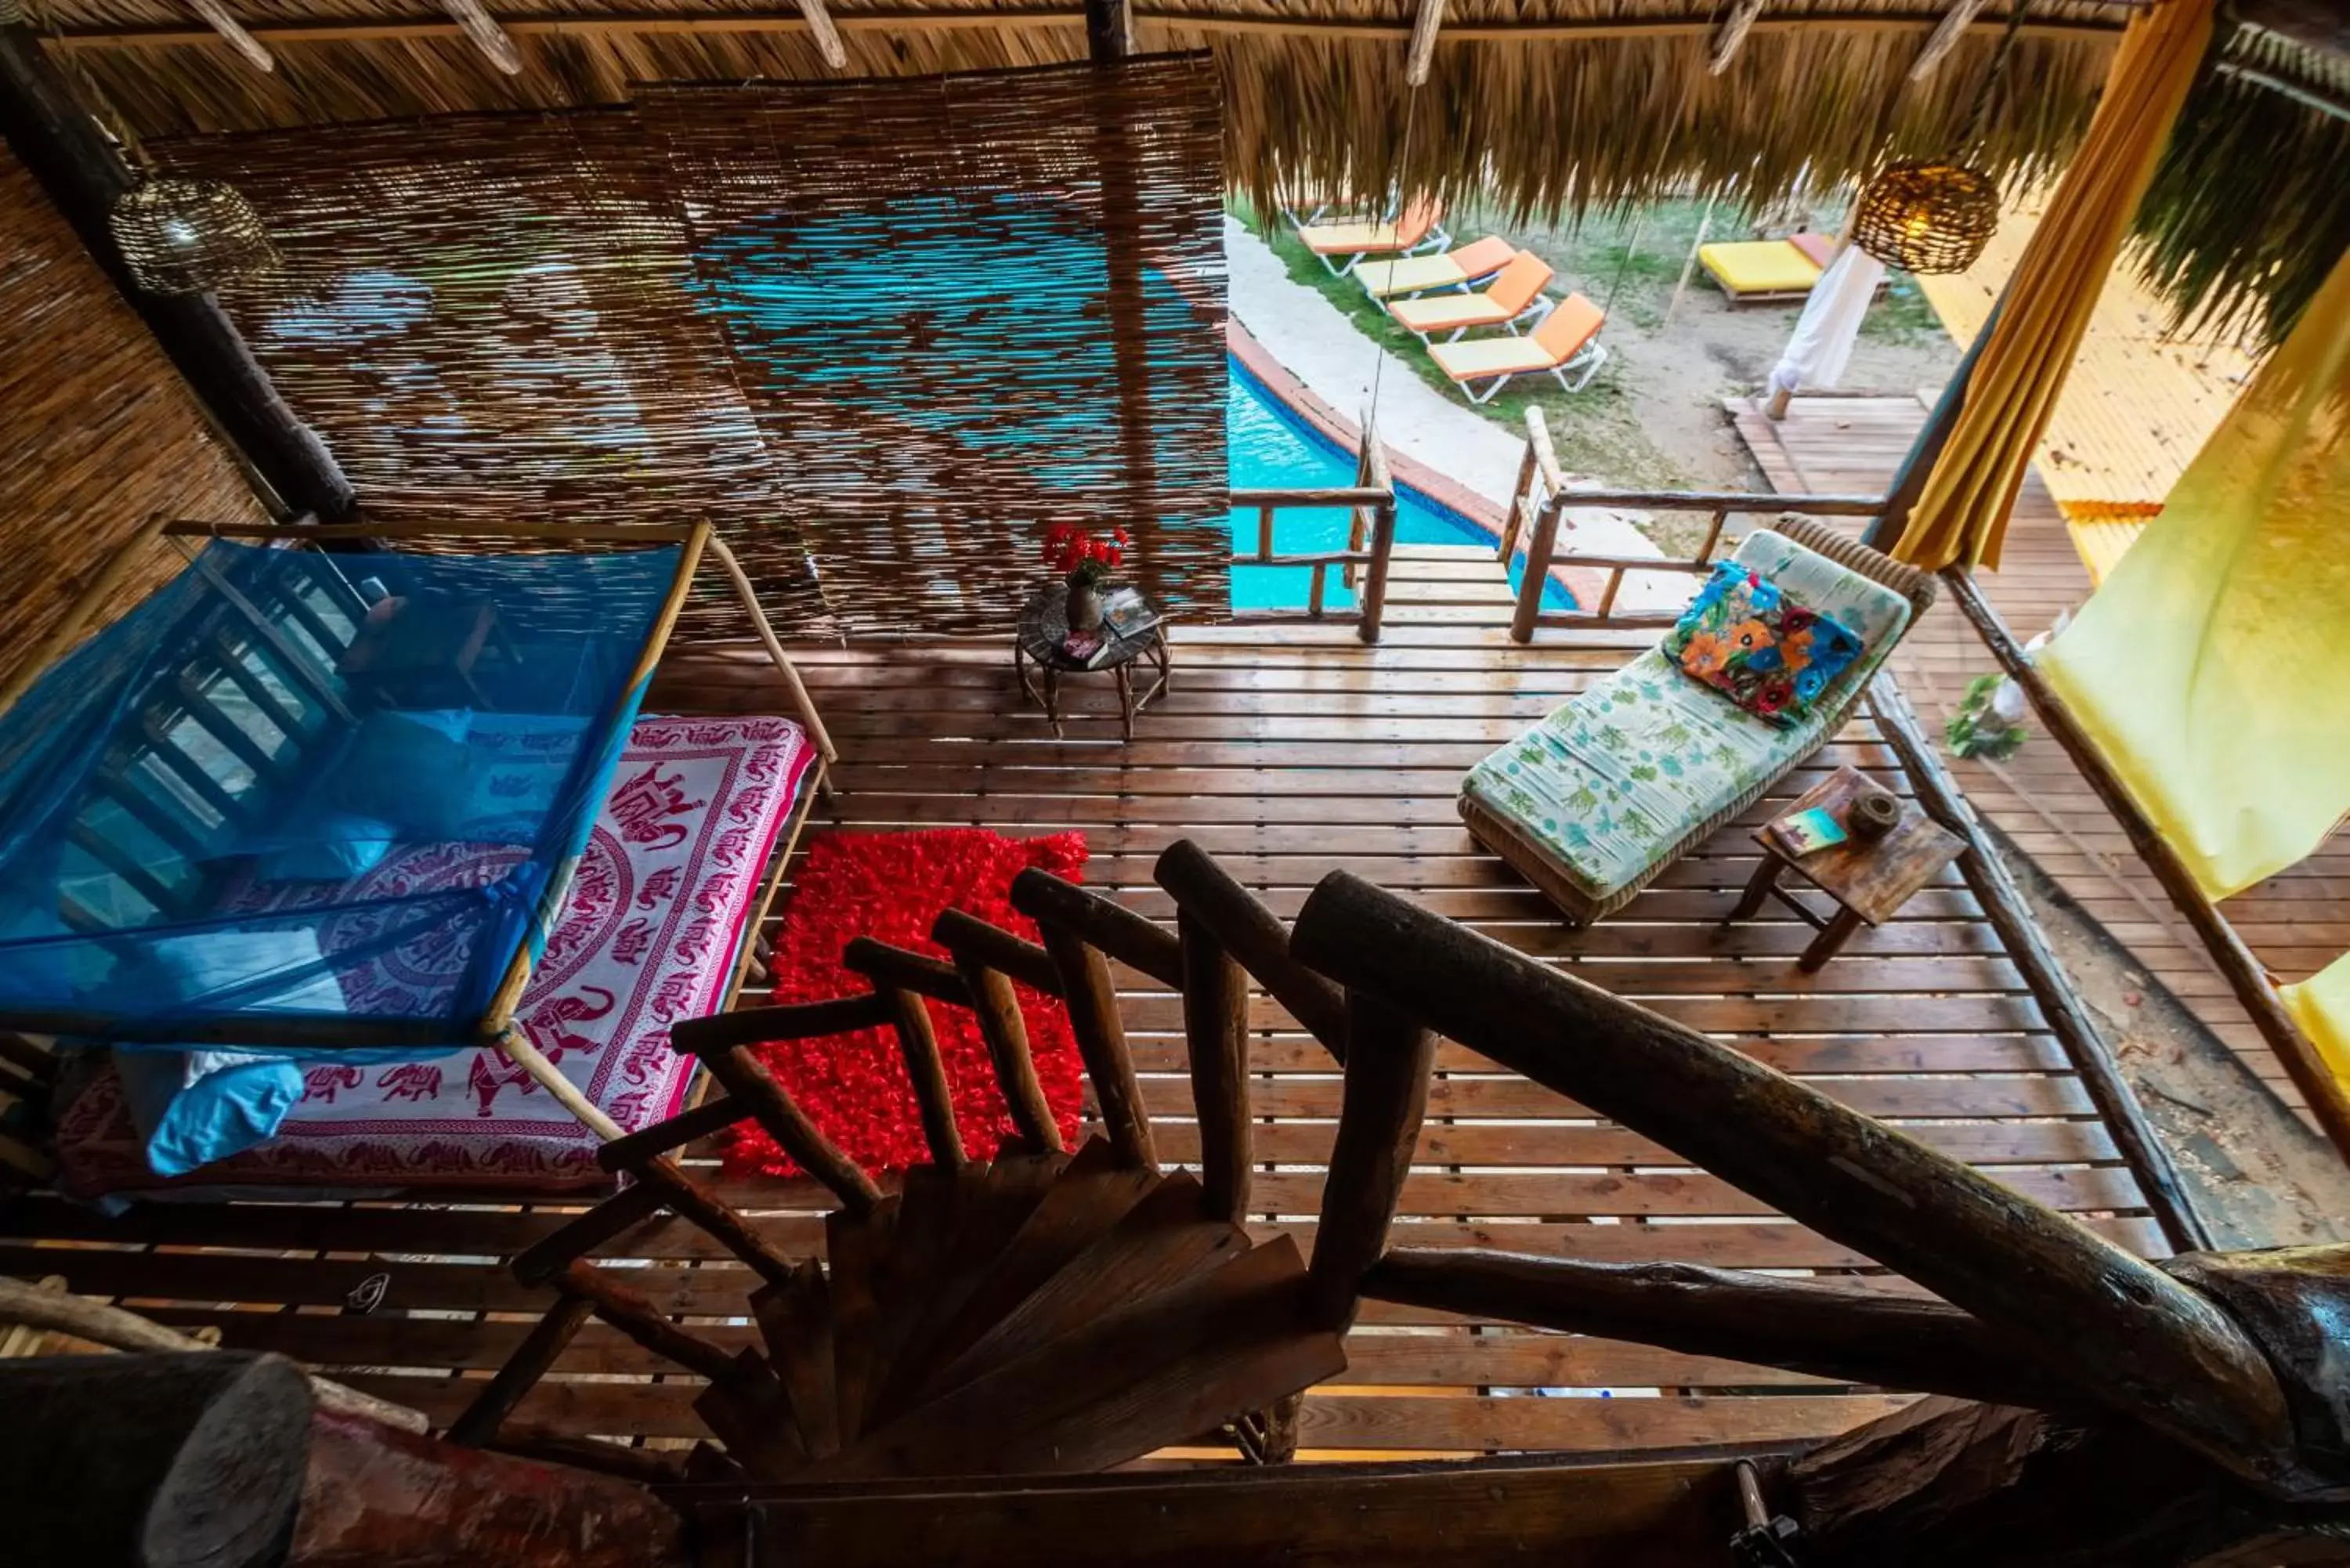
(1514, 294)
(1567, 341)
(1471, 264)
(1645, 765)
(1763, 272)
(1416, 231)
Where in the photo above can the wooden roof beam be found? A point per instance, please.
(493, 41)
(1421, 53)
(233, 34)
(773, 21)
(827, 37)
(1945, 37)
(1730, 35)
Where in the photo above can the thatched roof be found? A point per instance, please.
(1548, 105)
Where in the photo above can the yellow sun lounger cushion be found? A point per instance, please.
(1759, 267)
(1413, 273)
(1506, 298)
(1491, 356)
(1359, 238)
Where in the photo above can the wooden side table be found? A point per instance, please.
(1044, 622)
(1867, 879)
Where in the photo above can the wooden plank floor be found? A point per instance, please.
(2297, 922)
(1286, 752)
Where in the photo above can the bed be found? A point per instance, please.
(658, 924)
(1767, 271)
(438, 888)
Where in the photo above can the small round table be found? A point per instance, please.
(1044, 622)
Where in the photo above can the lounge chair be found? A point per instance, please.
(1567, 341)
(1415, 231)
(1517, 291)
(1471, 264)
(1641, 768)
(1765, 271)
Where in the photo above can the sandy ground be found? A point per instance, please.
(1322, 349)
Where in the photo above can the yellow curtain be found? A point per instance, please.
(2213, 667)
(2321, 1005)
(1962, 513)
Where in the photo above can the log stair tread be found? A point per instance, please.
(1031, 1314)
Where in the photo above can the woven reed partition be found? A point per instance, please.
(493, 317)
(97, 430)
(966, 307)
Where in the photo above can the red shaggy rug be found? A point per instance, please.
(891, 886)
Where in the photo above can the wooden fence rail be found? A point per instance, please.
(1370, 539)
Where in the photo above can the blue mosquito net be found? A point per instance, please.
(312, 801)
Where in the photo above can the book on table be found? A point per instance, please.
(1801, 832)
(1128, 614)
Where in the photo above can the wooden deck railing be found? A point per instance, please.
(1543, 498)
(1370, 540)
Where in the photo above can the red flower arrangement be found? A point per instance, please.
(1083, 557)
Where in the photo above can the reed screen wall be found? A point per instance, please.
(968, 307)
(98, 430)
(490, 318)
(881, 332)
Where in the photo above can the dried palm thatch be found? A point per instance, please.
(2250, 208)
(1551, 105)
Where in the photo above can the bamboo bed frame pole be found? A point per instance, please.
(725, 557)
(2245, 974)
(499, 1019)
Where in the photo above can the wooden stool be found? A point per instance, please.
(1869, 879)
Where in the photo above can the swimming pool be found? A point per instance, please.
(1274, 448)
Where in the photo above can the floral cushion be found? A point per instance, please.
(1768, 652)
(1611, 781)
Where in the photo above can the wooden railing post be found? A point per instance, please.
(1215, 1033)
(1537, 576)
(748, 1081)
(1390, 1056)
(1092, 1001)
(1255, 935)
(532, 1360)
(997, 1009)
(917, 1044)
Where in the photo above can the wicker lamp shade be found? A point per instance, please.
(1927, 217)
(188, 236)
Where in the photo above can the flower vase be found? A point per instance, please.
(1084, 605)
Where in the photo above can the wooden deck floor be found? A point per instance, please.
(2297, 922)
(1287, 754)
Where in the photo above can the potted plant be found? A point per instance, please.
(1084, 561)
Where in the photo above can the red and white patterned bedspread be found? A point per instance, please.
(649, 935)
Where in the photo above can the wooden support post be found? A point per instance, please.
(642, 1321)
(2247, 977)
(1129, 938)
(974, 942)
(750, 1085)
(1390, 1058)
(175, 1460)
(1110, 29)
(2020, 936)
(1094, 1019)
(1215, 1033)
(1374, 600)
(480, 1421)
(78, 166)
(1838, 1332)
(917, 1042)
(1421, 53)
(1539, 550)
(997, 1010)
(1244, 927)
(2147, 1346)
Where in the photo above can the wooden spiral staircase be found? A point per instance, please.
(996, 1323)
(1040, 1310)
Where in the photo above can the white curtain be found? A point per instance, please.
(1821, 347)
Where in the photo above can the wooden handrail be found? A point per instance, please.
(2247, 977)
(1246, 928)
(2146, 1345)
(1332, 495)
(2020, 936)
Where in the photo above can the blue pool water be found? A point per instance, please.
(1274, 448)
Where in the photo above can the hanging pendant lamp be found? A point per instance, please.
(183, 235)
(1936, 215)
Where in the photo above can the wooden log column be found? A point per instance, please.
(64, 149)
(1110, 38)
(2088, 1312)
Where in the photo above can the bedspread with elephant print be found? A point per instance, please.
(648, 934)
